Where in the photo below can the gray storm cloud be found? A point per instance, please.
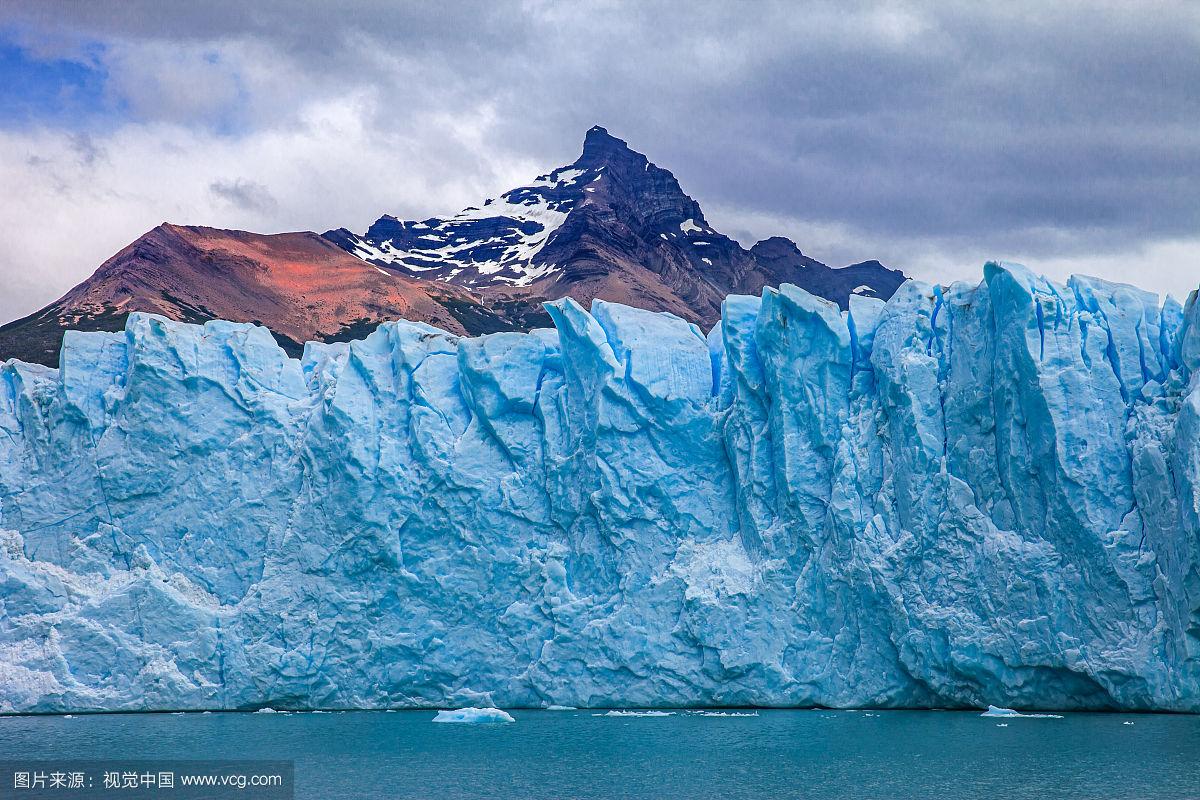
(246, 195)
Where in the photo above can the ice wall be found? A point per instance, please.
(969, 495)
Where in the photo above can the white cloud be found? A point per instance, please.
(173, 81)
(65, 212)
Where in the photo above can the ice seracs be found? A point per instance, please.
(966, 493)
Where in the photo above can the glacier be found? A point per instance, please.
(970, 495)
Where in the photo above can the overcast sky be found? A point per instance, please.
(932, 136)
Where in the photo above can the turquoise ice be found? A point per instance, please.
(971, 495)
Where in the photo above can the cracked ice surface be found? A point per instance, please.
(970, 494)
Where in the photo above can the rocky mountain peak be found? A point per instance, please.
(775, 247)
(612, 225)
(602, 149)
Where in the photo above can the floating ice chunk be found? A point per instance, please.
(636, 714)
(561, 708)
(474, 716)
(729, 713)
(996, 711)
(266, 711)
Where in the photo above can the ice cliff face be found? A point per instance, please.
(968, 495)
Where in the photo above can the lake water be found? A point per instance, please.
(548, 754)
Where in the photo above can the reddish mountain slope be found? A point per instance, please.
(299, 285)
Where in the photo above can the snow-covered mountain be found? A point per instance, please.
(496, 244)
(612, 225)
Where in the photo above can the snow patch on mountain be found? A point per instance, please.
(496, 243)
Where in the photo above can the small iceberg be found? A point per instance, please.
(996, 711)
(266, 711)
(474, 716)
(561, 708)
(729, 713)
(636, 714)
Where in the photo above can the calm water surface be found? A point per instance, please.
(547, 754)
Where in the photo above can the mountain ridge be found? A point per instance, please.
(612, 225)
